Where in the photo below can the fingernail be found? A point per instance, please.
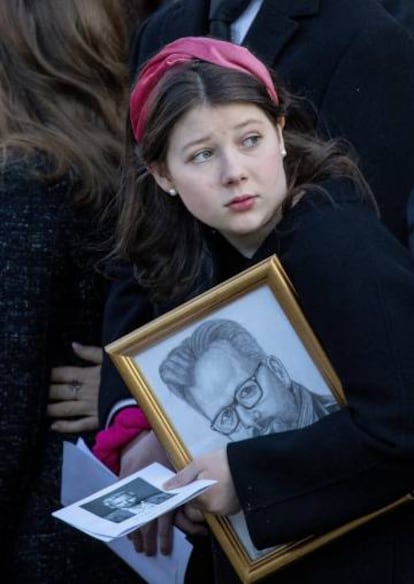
(76, 345)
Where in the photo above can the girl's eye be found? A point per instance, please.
(251, 140)
(201, 156)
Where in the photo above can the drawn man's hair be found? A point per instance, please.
(177, 370)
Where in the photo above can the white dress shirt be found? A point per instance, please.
(241, 25)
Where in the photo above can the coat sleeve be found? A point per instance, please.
(355, 284)
(126, 309)
(369, 100)
(29, 222)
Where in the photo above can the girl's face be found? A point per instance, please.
(226, 164)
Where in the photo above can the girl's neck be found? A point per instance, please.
(247, 244)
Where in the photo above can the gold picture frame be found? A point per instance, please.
(260, 298)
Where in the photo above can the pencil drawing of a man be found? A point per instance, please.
(223, 373)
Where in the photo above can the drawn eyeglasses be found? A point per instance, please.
(247, 395)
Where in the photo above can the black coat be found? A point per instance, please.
(49, 297)
(355, 283)
(350, 57)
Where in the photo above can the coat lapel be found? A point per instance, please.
(276, 22)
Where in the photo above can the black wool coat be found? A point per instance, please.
(355, 284)
(50, 296)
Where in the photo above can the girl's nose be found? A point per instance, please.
(233, 170)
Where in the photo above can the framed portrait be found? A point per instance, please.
(236, 362)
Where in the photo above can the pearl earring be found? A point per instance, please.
(172, 192)
(282, 143)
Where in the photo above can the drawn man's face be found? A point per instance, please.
(241, 399)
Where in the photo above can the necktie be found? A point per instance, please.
(222, 14)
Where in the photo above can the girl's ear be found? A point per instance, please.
(161, 176)
(281, 121)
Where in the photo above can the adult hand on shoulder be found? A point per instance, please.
(73, 393)
(221, 499)
(142, 451)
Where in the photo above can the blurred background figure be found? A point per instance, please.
(62, 106)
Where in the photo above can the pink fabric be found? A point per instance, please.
(109, 443)
(183, 50)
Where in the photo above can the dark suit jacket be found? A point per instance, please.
(402, 10)
(351, 58)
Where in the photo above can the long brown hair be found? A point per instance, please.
(63, 76)
(155, 231)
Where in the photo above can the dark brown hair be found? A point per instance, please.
(63, 76)
(155, 231)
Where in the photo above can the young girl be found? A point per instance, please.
(223, 171)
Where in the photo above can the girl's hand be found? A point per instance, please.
(141, 452)
(221, 499)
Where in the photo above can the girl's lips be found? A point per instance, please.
(243, 203)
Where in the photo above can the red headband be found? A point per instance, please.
(184, 50)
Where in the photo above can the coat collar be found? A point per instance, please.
(276, 22)
(271, 29)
